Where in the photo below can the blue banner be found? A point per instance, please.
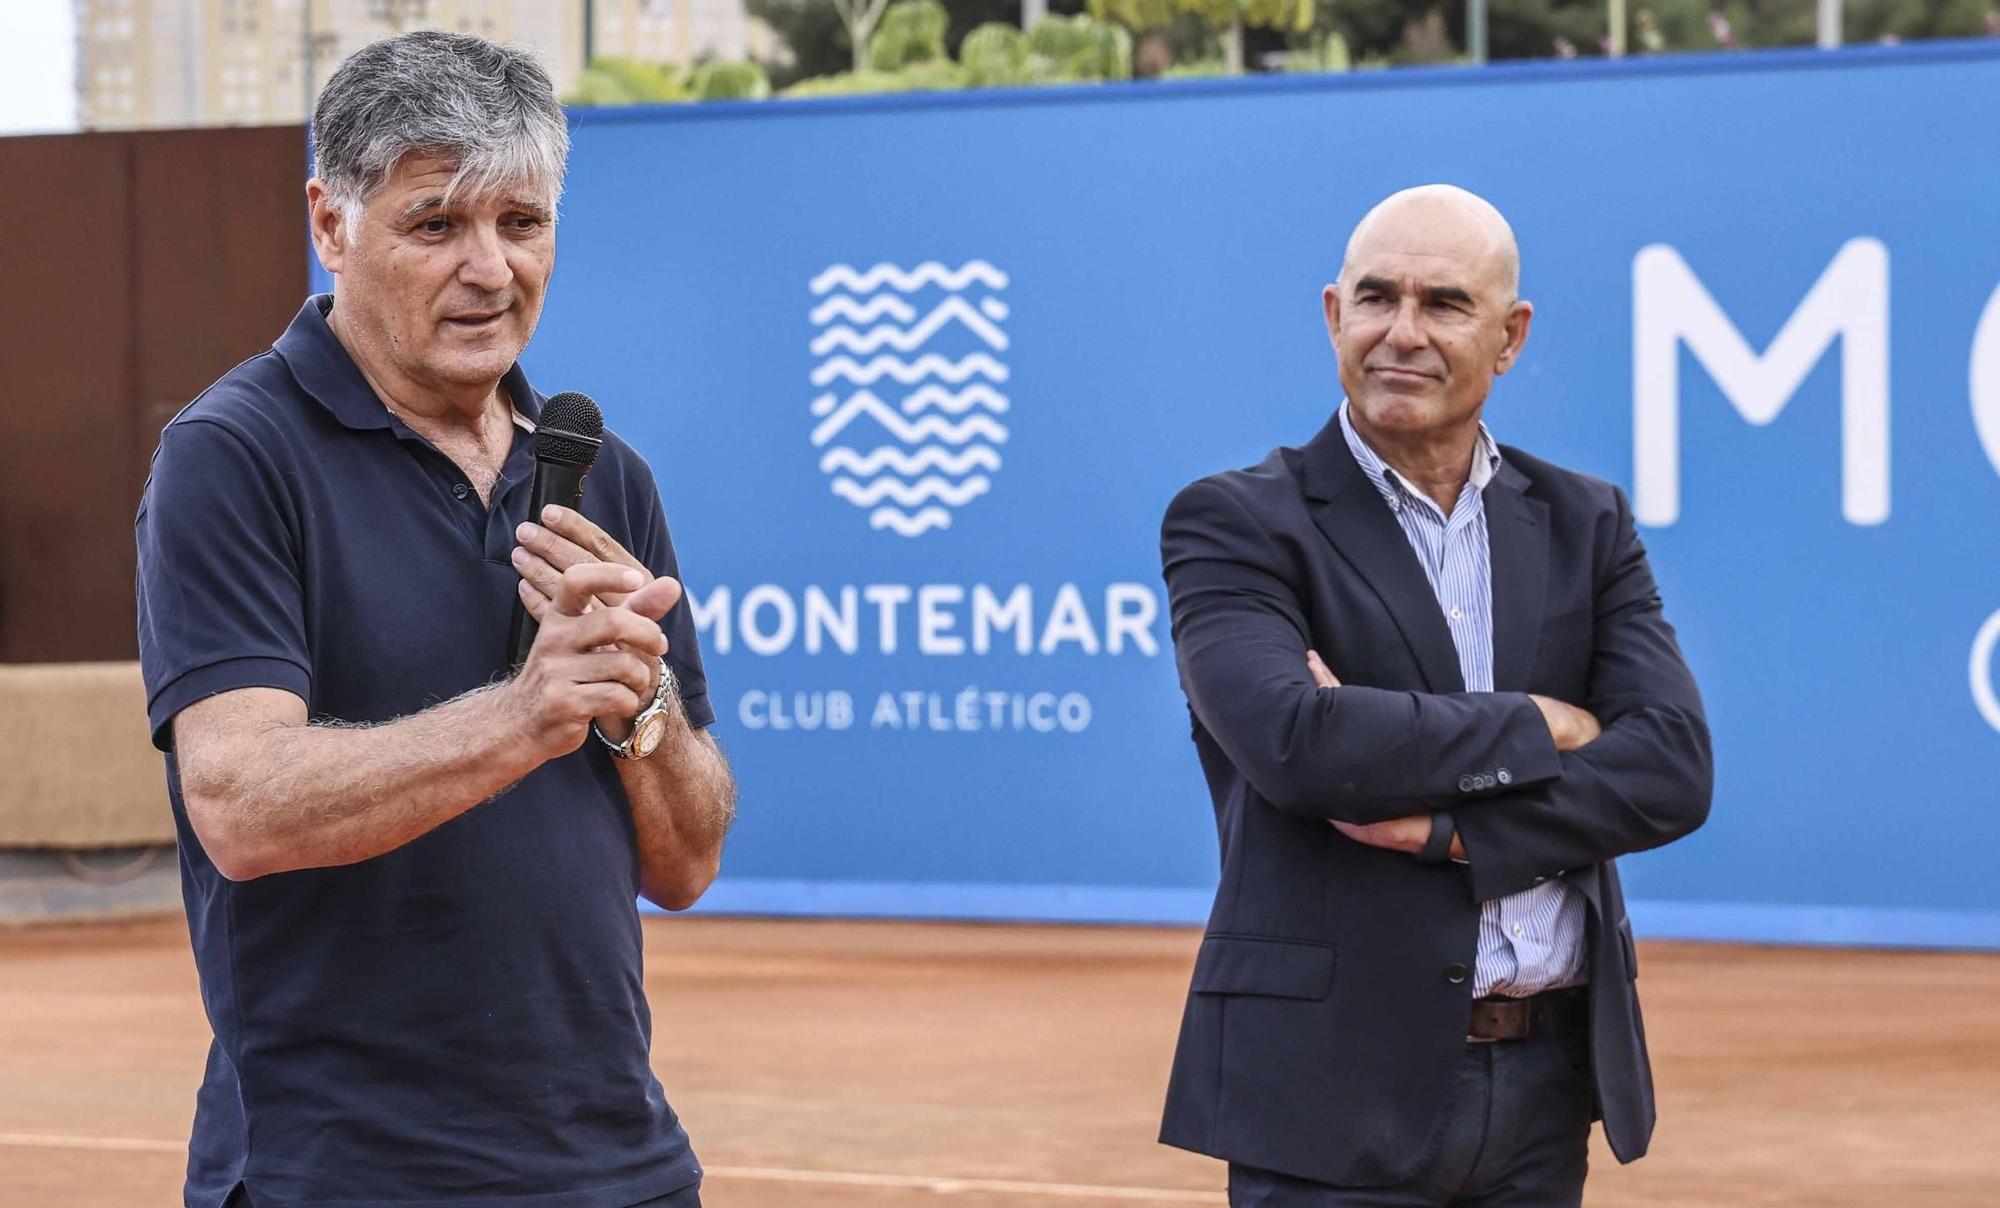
(918, 376)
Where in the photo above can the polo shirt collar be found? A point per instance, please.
(324, 370)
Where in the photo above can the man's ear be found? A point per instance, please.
(331, 237)
(1519, 318)
(1329, 302)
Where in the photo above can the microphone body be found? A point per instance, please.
(567, 439)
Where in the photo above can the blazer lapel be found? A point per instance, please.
(1355, 518)
(1517, 533)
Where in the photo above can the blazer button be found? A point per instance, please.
(1506, 777)
(1466, 784)
(1455, 974)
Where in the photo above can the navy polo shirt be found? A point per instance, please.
(460, 1021)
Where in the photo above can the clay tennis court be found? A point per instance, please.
(909, 1065)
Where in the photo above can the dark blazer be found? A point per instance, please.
(1330, 995)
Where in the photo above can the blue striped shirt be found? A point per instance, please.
(1533, 940)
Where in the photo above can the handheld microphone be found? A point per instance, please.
(567, 438)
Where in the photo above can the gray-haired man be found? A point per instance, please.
(414, 921)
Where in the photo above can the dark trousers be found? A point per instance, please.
(686, 1197)
(1518, 1136)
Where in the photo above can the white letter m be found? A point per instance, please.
(1669, 305)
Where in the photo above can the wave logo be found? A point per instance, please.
(909, 400)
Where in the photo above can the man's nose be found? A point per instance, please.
(484, 264)
(1407, 334)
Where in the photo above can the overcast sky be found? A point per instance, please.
(37, 66)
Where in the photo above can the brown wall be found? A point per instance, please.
(139, 267)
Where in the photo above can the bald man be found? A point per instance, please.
(1434, 696)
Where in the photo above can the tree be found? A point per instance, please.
(911, 31)
(1062, 49)
(1874, 20)
(993, 54)
(1523, 29)
(968, 15)
(931, 75)
(859, 17)
(727, 81)
(812, 31)
(627, 82)
(1229, 17)
(1082, 48)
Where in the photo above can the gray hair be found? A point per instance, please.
(490, 108)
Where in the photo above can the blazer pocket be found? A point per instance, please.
(1242, 964)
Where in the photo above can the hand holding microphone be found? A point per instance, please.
(571, 572)
(567, 539)
(590, 663)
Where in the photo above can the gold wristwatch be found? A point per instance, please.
(649, 729)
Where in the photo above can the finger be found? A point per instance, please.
(612, 667)
(580, 583)
(1356, 833)
(577, 528)
(532, 599)
(1321, 674)
(607, 700)
(616, 627)
(537, 602)
(553, 547)
(535, 569)
(655, 599)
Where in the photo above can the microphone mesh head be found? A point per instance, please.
(571, 430)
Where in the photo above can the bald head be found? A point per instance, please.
(1427, 312)
(1443, 222)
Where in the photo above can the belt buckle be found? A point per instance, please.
(1509, 1019)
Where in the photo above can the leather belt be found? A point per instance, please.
(1550, 1012)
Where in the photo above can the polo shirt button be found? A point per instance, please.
(459, 490)
(1455, 974)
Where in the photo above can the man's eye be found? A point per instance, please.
(526, 222)
(435, 226)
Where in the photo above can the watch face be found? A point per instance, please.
(646, 739)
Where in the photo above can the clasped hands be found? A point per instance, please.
(1571, 728)
(596, 655)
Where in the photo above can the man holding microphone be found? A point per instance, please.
(411, 877)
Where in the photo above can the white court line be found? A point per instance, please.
(941, 1184)
(41, 1141)
(947, 1185)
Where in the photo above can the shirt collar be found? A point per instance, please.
(1393, 486)
(324, 370)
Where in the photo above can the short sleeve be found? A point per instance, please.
(656, 550)
(221, 601)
